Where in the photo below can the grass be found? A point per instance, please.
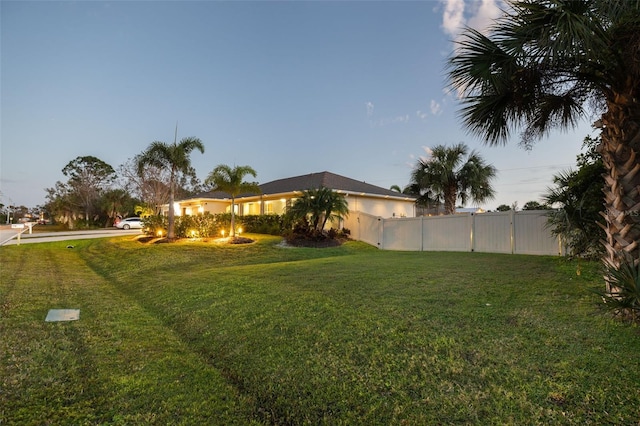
(199, 333)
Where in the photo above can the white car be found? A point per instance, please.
(130, 223)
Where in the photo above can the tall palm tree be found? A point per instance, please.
(319, 206)
(547, 63)
(231, 180)
(453, 173)
(174, 158)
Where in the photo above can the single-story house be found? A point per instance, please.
(277, 195)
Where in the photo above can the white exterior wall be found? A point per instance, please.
(215, 207)
(381, 207)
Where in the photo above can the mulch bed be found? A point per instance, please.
(301, 242)
(156, 240)
(240, 240)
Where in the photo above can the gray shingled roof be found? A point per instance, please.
(323, 179)
(311, 181)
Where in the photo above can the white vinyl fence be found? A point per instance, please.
(522, 232)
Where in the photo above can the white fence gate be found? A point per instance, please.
(522, 232)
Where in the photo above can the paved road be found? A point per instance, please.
(8, 236)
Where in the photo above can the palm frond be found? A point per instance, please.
(543, 63)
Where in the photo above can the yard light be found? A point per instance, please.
(222, 232)
(239, 230)
(193, 233)
(159, 232)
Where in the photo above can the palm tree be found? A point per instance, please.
(319, 206)
(426, 202)
(544, 65)
(115, 202)
(174, 158)
(230, 180)
(451, 174)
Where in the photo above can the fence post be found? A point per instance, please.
(421, 233)
(472, 238)
(512, 231)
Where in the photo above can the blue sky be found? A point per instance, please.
(355, 88)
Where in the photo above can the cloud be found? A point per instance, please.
(428, 154)
(476, 14)
(435, 107)
(369, 106)
(400, 119)
(453, 16)
(486, 13)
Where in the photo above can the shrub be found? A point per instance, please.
(204, 226)
(622, 297)
(271, 224)
(156, 225)
(212, 225)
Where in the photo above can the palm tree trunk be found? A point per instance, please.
(450, 201)
(233, 218)
(170, 231)
(619, 149)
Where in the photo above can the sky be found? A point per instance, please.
(355, 88)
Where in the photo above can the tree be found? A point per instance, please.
(453, 173)
(503, 208)
(318, 206)
(151, 186)
(231, 180)
(426, 203)
(88, 177)
(577, 196)
(544, 65)
(61, 203)
(534, 205)
(174, 158)
(116, 202)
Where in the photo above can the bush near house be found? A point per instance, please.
(212, 225)
(271, 224)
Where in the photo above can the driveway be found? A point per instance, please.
(8, 235)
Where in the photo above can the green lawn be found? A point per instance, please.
(199, 333)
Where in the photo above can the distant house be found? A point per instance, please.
(277, 195)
